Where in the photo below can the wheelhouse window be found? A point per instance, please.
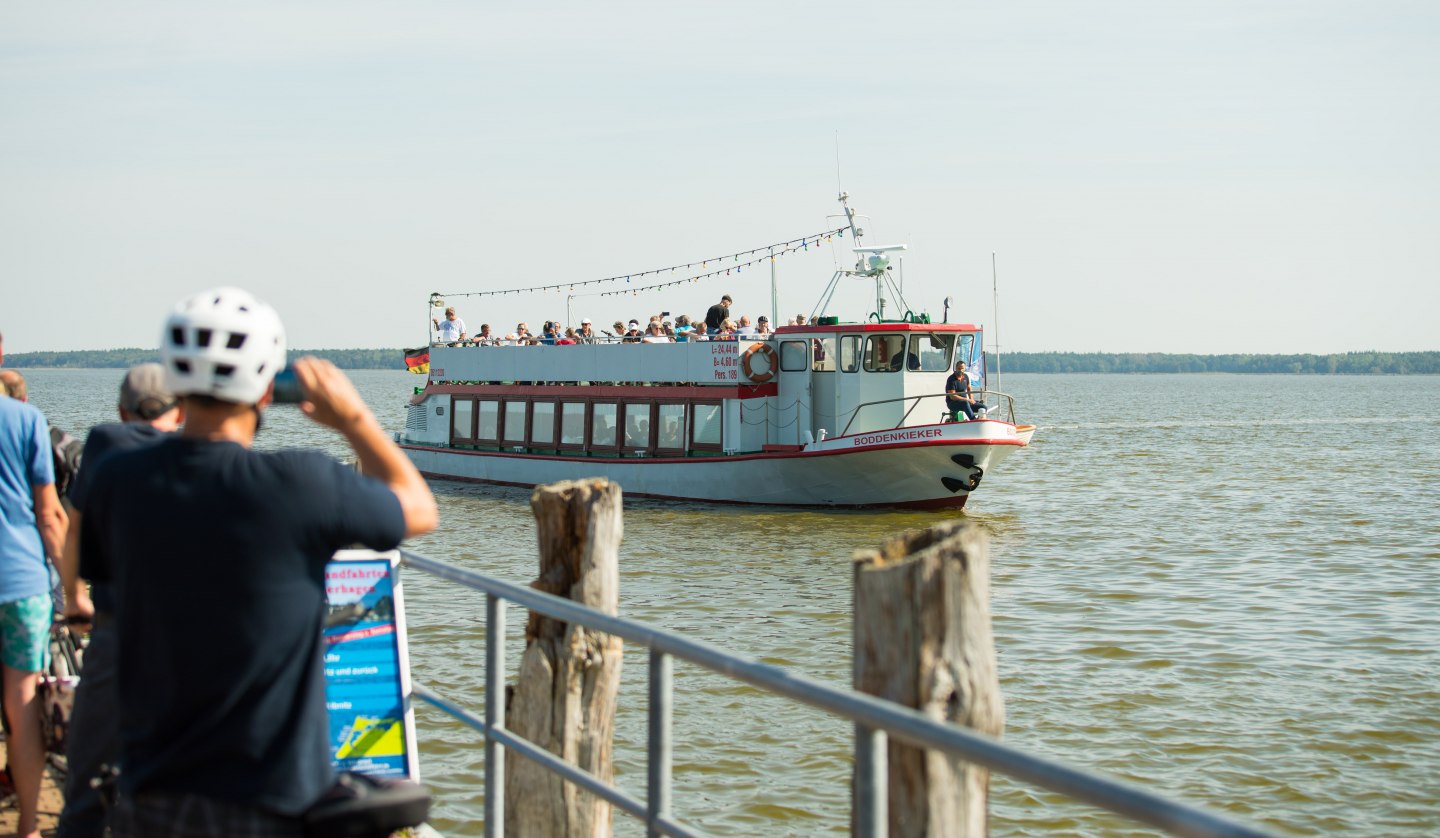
(822, 354)
(967, 350)
(706, 426)
(462, 420)
(934, 350)
(849, 353)
(670, 431)
(884, 353)
(794, 355)
(603, 424)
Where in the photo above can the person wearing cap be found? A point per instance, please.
(587, 332)
(452, 329)
(32, 529)
(149, 413)
(633, 333)
(718, 314)
(215, 552)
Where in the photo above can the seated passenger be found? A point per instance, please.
(958, 396)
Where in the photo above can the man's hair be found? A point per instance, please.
(14, 384)
(726, 299)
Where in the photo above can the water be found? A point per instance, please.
(1222, 587)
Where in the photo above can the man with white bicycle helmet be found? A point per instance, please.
(216, 557)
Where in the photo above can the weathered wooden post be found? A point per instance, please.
(922, 639)
(564, 699)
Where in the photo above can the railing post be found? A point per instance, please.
(870, 810)
(659, 760)
(494, 715)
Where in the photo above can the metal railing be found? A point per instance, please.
(875, 722)
(1007, 412)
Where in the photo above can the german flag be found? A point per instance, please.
(418, 360)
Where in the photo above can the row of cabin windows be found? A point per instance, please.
(586, 424)
(928, 352)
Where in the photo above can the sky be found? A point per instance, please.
(1223, 176)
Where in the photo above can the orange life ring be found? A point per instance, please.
(764, 349)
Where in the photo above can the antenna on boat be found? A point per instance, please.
(995, 296)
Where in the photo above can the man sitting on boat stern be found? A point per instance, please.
(215, 554)
(958, 396)
(149, 413)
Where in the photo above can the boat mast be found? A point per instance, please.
(995, 296)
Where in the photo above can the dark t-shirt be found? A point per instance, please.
(103, 441)
(716, 316)
(217, 559)
(960, 384)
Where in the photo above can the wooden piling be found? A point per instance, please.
(565, 695)
(923, 639)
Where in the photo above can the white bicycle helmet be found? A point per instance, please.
(222, 343)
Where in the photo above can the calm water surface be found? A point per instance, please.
(1223, 587)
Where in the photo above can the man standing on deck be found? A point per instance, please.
(149, 413)
(216, 556)
(32, 526)
(452, 329)
(718, 314)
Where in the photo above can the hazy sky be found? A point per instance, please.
(1218, 176)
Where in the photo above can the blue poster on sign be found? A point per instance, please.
(367, 667)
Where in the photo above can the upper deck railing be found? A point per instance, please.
(875, 721)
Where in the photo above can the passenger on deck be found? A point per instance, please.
(763, 326)
(700, 332)
(958, 396)
(799, 320)
(727, 330)
(683, 328)
(452, 330)
(587, 332)
(655, 333)
(485, 338)
(743, 328)
(717, 313)
(570, 338)
(633, 333)
(619, 328)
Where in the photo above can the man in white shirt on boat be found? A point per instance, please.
(452, 329)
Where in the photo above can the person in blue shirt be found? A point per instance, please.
(32, 527)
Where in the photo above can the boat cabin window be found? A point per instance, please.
(794, 355)
(884, 353)
(602, 426)
(967, 350)
(637, 425)
(670, 433)
(542, 423)
(487, 424)
(514, 430)
(572, 424)
(849, 353)
(934, 351)
(706, 426)
(822, 354)
(462, 420)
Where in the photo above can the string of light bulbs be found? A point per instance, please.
(769, 252)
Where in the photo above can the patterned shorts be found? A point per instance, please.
(25, 632)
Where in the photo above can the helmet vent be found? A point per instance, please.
(236, 341)
(224, 370)
(182, 366)
(202, 338)
(177, 336)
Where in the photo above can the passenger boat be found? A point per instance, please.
(829, 414)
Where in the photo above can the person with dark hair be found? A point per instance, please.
(149, 413)
(718, 314)
(215, 552)
(958, 396)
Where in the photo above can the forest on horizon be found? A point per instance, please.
(1348, 363)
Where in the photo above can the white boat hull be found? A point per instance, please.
(928, 466)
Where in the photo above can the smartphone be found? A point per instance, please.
(287, 387)
(664, 314)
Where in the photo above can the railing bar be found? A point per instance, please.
(494, 715)
(899, 722)
(629, 804)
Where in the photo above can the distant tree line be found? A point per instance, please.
(349, 359)
(1349, 363)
